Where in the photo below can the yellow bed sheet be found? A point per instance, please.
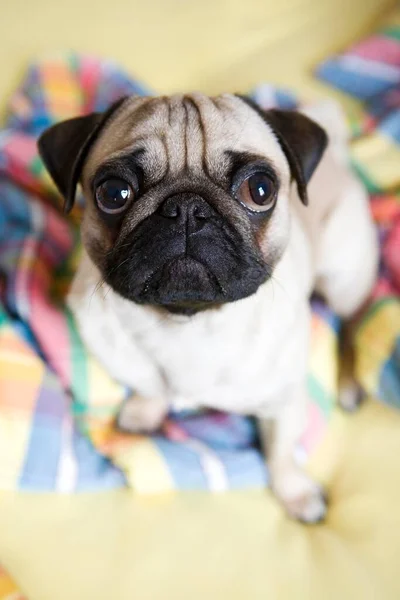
(210, 45)
(196, 546)
(236, 546)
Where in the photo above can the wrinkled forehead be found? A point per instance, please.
(192, 132)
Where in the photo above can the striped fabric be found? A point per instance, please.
(57, 405)
(370, 72)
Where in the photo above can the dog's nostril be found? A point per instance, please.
(171, 209)
(196, 212)
(199, 212)
(186, 208)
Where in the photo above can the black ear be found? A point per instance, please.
(302, 140)
(65, 146)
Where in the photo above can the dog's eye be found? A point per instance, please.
(257, 192)
(113, 195)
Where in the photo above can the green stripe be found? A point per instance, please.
(356, 126)
(324, 400)
(36, 167)
(74, 62)
(392, 32)
(365, 178)
(79, 373)
(103, 411)
(3, 317)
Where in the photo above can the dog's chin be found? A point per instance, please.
(187, 310)
(185, 283)
(183, 286)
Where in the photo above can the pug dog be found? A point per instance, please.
(207, 224)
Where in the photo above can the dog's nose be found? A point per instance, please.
(188, 209)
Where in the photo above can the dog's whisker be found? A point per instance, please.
(96, 290)
(118, 266)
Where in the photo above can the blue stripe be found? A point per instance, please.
(360, 85)
(286, 100)
(44, 449)
(95, 472)
(389, 384)
(391, 126)
(183, 464)
(218, 430)
(245, 468)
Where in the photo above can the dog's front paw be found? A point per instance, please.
(301, 496)
(141, 415)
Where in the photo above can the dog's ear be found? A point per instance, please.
(302, 140)
(65, 146)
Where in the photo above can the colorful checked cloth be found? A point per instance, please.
(57, 404)
(370, 72)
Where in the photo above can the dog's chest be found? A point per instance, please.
(233, 361)
(205, 365)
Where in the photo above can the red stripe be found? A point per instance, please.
(379, 49)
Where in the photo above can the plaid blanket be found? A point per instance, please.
(57, 404)
(370, 72)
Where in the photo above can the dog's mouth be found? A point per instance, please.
(169, 270)
(183, 286)
(189, 309)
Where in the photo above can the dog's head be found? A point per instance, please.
(187, 197)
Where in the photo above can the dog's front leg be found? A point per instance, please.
(302, 497)
(140, 414)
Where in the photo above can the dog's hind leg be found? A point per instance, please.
(346, 271)
(350, 392)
